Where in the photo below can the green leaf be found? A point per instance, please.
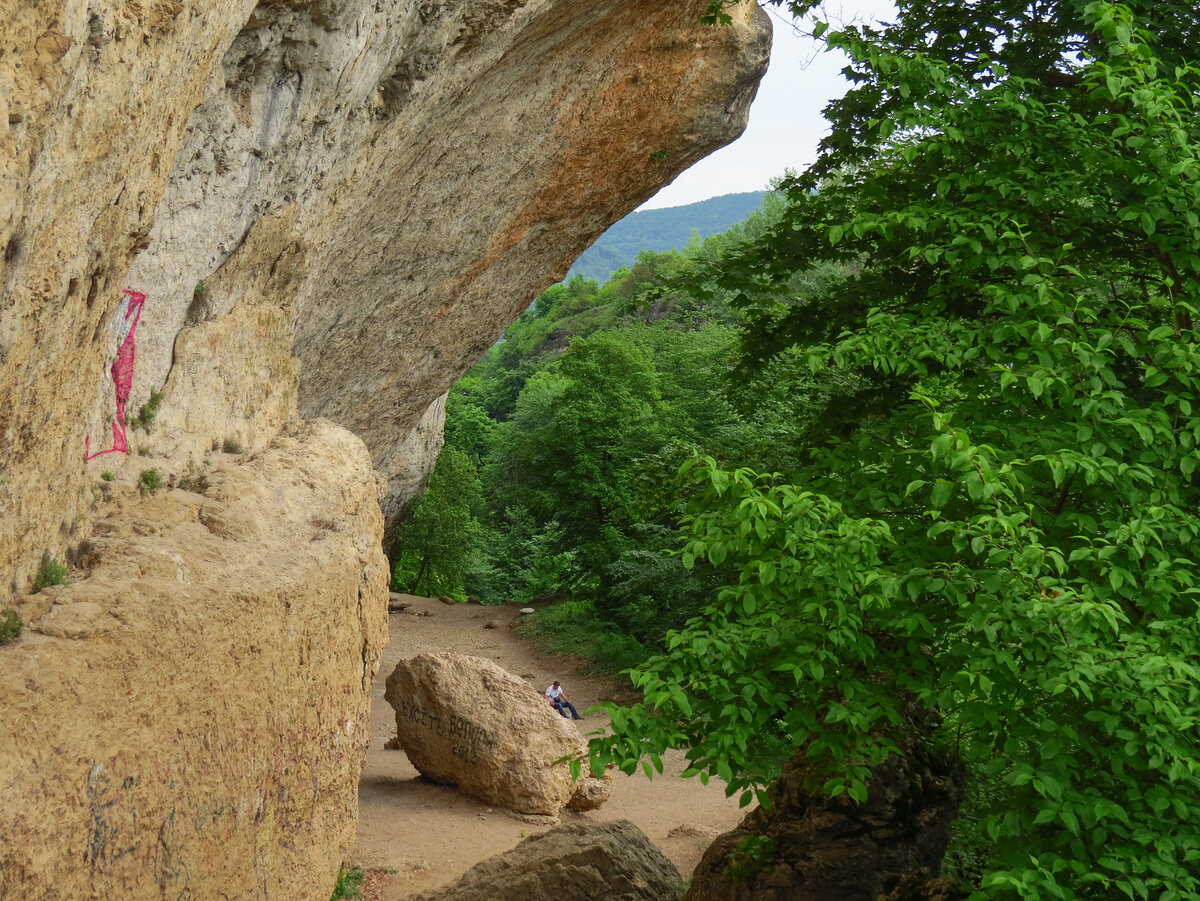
(941, 493)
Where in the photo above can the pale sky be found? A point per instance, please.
(785, 120)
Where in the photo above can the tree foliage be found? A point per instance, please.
(986, 540)
(433, 544)
(578, 421)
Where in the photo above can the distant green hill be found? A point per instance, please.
(661, 230)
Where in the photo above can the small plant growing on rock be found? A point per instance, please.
(231, 446)
(143, 450)
(108, 475)
(753, 854)
(10, 626)
(197, 310)
(50, 573)
(149, 481)
(148, 412)
(193, 480)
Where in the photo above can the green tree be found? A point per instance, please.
(581, 432)
(434, 543)
(520, 560)
(468, 426)
(987, 543)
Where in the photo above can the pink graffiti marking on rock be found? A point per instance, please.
(122, 376)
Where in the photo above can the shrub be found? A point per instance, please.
(192, 481)
(231, 446)
(108, 475)
(572, 627)
(149, 481)
(10, 626)
(50, 573)
(148, 412)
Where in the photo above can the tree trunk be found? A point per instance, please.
(416, 582)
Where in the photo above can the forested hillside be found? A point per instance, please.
(670, 228)
(903, 466)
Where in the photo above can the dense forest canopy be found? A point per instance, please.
(936, 416)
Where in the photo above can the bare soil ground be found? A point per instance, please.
(414, 835)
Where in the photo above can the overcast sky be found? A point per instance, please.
(785, 120)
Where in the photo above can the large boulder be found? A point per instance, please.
(465, 721)
(604, 862)
(189, 717)
(810, 847)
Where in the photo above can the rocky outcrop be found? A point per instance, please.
(411, 459)
(602, 862)
(189, 717)
(806, 847)
(380, 187)
(466, 722)
(603, 100)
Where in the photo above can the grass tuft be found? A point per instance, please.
(347, 883)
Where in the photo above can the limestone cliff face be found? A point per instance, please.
(386, 184)
(332, 207)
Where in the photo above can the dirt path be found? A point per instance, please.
(429, 834)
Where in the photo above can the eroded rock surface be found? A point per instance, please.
(465, 721)
(601, 862)
(591, 793)
(189, 717)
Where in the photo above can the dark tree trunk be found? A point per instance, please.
(416, 582)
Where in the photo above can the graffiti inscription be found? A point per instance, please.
(467, 739)
(122, 376)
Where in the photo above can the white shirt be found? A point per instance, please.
(553, 694)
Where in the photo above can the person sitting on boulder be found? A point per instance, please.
(558, 700)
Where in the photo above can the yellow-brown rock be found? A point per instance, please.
(467, 722)
(189, 717)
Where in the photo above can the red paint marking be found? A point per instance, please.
(122, 376)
